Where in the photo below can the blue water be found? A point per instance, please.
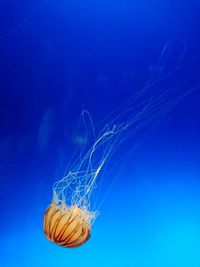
(60, 57)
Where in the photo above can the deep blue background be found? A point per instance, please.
(58, 57)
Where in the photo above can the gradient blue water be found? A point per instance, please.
(58, 57)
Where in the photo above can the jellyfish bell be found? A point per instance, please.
(67, 226)
(69, 219)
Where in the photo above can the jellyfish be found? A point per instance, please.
(69, 219)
